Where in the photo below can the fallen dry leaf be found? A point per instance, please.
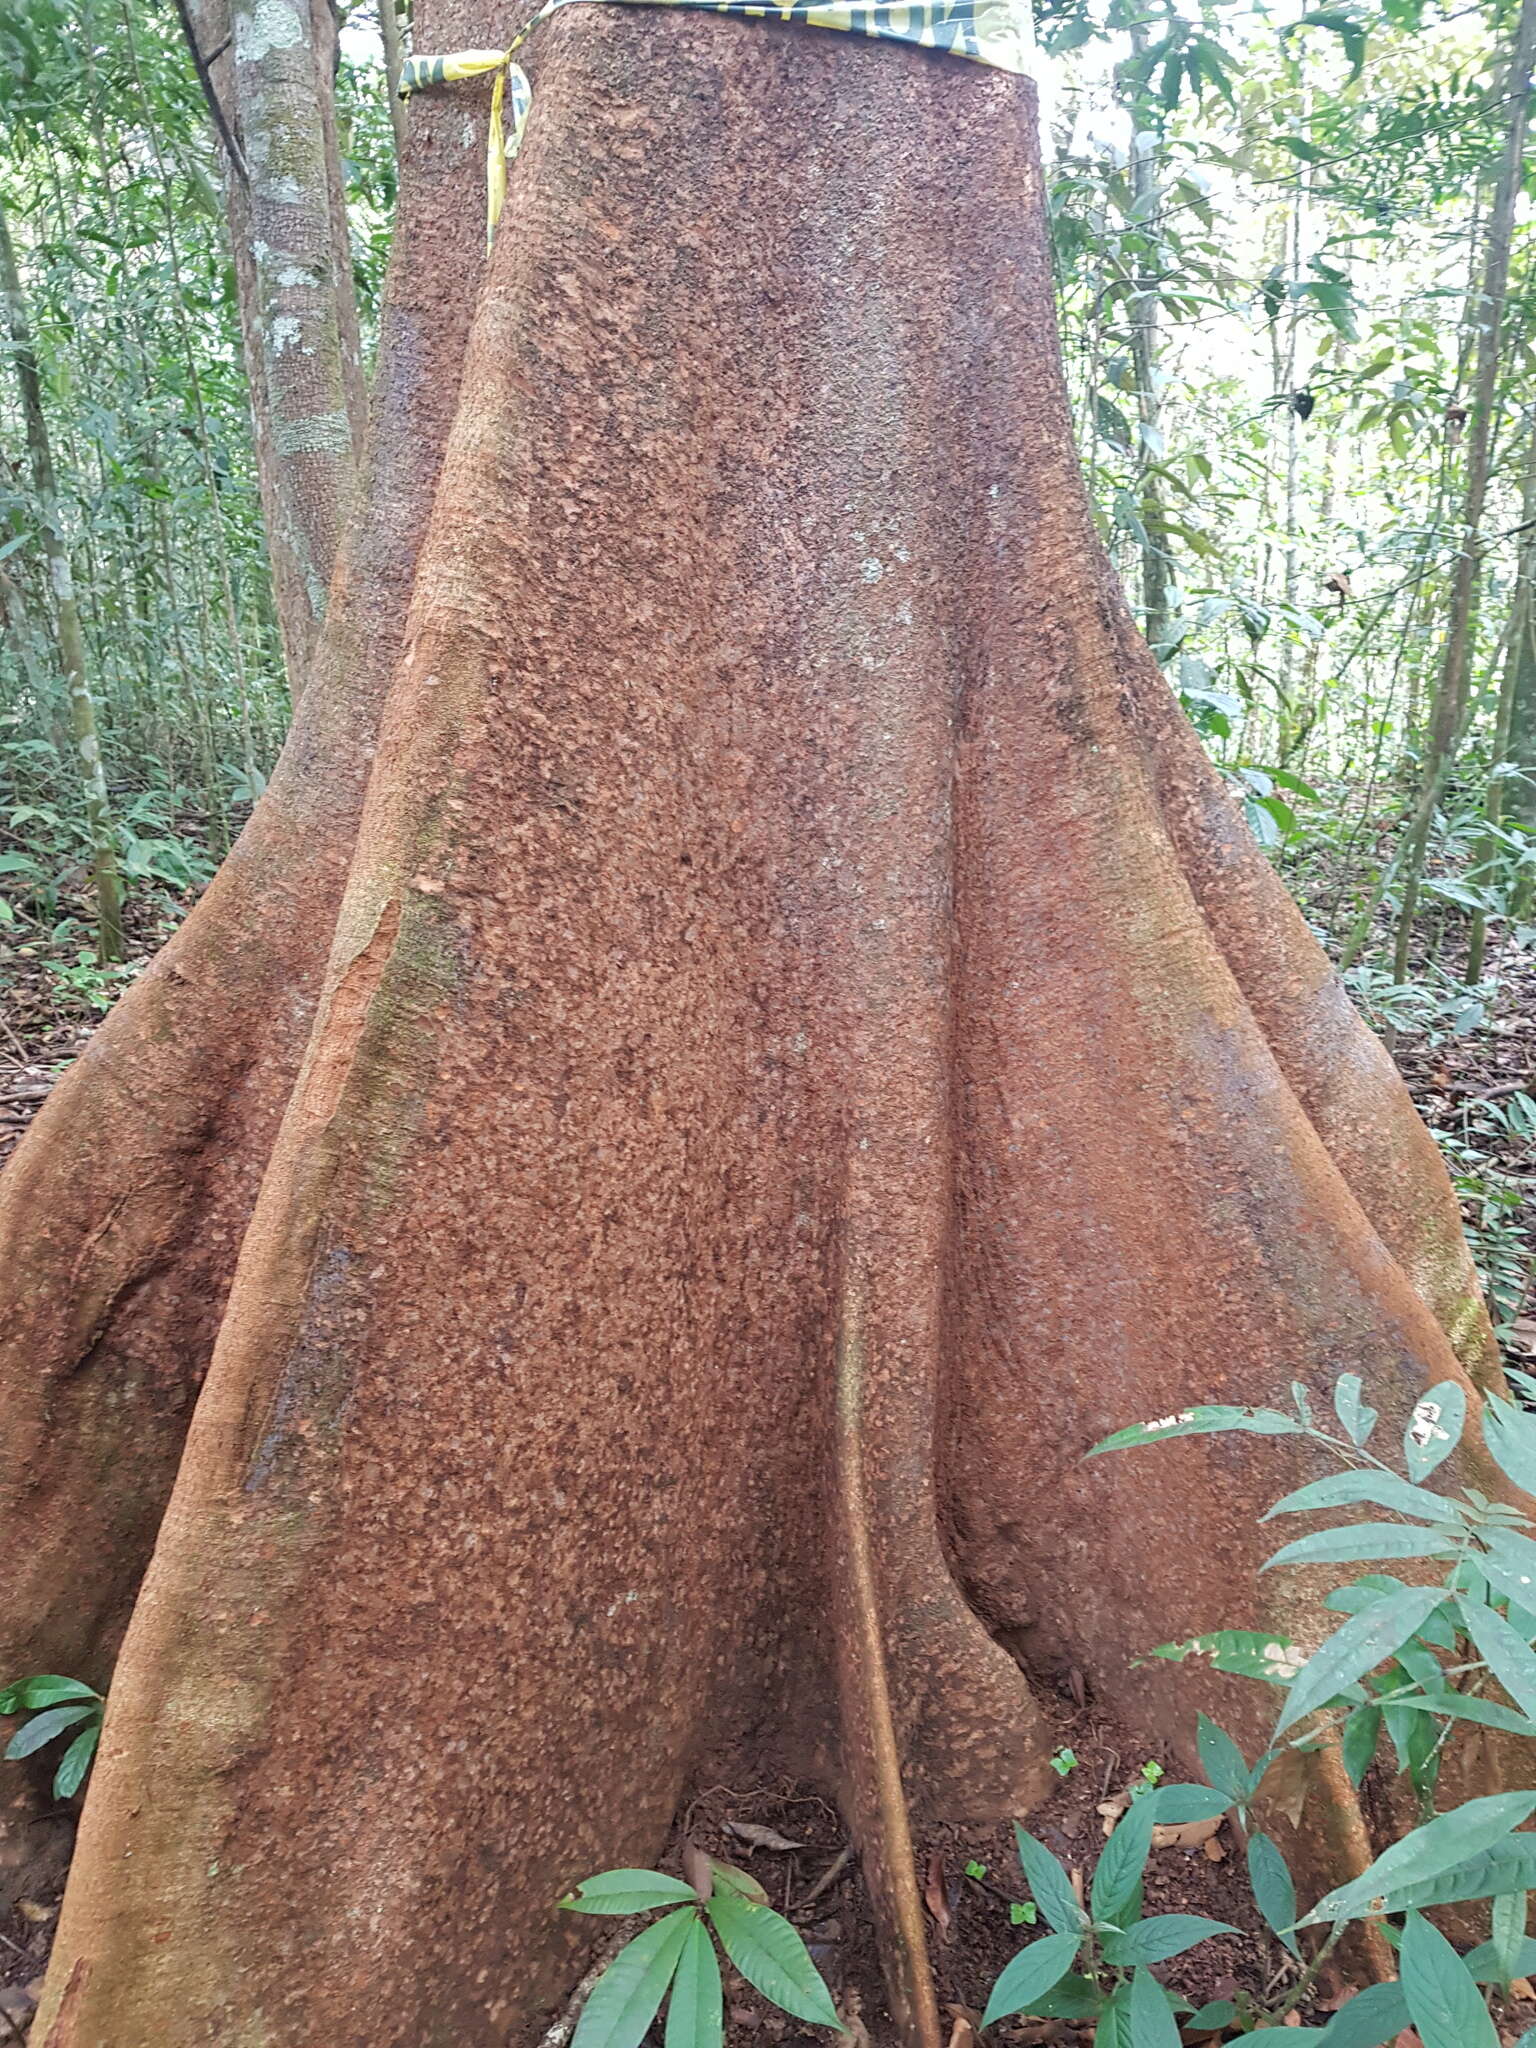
(1188, 1834)
(933, 1894)
(698, 1873)
(760, 1837)
(1521, 1987)
(962, 2035)
(1214, 1852)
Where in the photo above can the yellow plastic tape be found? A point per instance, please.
(999, 33)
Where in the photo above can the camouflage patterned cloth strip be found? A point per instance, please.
(999, 33)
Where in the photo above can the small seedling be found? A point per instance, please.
(675, 1954)
(975, 1870)
(56, 1705)
(1063, 1762)
(1023, 1913)
(1097, 1961)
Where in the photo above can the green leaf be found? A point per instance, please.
(1033, 1972)
(1364, 1641)
(1444, 2003)
(1434, 1428)
(696, 2010)
(1461, 1706)
(1362, 1732)
(1363, 1539)
(1114, 2027)
(1223, 1762)
(628, 1995)
(626, 1891)
(1152, 2022)
(1373, 2017)
(1485, 1962)
(44, 1690)
(1176, 1805)
(44, 1727)
(1159, 1939)
(1510, 1434)
(1509, 1564)
(1117, 1874)
(1439, 1846)
(1509, 1659)
(1205, 1421)
(1274, 1890)
(737, 1880)
(1384, 1489)
(772, 1957)
(76, 1761)
(1244, 1652)
(1307, 151)
(1074, 1998)
(1221, 2012)
(1507, 1938)
(1049, 1884)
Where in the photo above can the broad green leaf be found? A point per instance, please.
(1159, 1939)
(1049, 1884)
(1074, 1998)
(1357, 1418)
(737, 1880)
(44, 1727)
(44, 1690)
(1114, 2027)
(1509, 1565)
(1152, 2022)
(1439, 1846)
(628, 1995)
(1223, 1762)
(1175, 1805)
(1205, 1421)
(76, 1761)
(1511, 1661)
(696, 2009)
(1117, 1874)
(1033, 1972)
(1373, 2017)
(626, 1891)
(1510, 1434)
(1383, 1489)
(1364, 1641)
(1362, 1732)
(1487, 1965)
(1507, 1935)
(1444, 2003)
(1434, 1428)
(1363, 1539)
(770, 1955)
(1221, 2012)
(1274, 1891)
(1288, 2035)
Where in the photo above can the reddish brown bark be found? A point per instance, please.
(807, 1048)
(121, 1214)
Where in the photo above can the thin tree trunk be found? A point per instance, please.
(275, 76)
(66, 611)
(1511, 737)
(782, 860)
(1447, 711)
(1156, 562)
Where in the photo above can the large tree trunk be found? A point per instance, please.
(123, 1210)
(808, 1046)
